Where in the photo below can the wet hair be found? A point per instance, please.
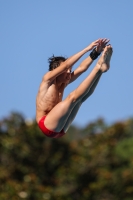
(54, 62)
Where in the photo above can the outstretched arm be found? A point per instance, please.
(88, 61)
(69, 62)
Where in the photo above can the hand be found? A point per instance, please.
(101, 45)
(94, 44)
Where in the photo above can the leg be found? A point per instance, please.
(91, 89)
(72, 116)
(59, 115)
(64, 112)
(77, 106)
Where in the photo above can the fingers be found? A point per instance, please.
(100, 44)
(96, 42)
(105, 41)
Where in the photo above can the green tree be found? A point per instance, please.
(94, 162)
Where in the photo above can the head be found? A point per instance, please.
(54, 62)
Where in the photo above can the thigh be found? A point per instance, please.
(57, 117)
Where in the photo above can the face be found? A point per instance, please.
(65, 77)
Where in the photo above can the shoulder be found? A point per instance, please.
(46, 77)
(45, 83)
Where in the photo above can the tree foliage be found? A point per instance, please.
(95, 162)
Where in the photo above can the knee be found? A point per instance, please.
(72, 97)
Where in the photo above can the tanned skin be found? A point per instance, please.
(60, 113)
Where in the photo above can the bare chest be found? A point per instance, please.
(49, 95)
(46, 101)
(53, 96)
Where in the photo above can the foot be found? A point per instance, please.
(104, 61)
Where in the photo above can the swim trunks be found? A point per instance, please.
(48, 132)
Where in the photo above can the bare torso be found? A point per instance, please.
(49, 95)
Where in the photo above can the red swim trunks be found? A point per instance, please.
(48, 132)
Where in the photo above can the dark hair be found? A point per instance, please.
(54, 62)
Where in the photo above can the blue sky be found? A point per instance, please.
(31, 31)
